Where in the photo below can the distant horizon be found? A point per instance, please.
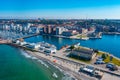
(34, 18)
(61, 9)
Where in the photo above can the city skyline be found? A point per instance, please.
(68, 9)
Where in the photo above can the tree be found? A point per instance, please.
(95, 50)
(72, 47)
(104, 56)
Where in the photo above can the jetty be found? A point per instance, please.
(28, 36)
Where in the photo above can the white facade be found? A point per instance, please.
(59, 30)
(22, 43)
(50, 50)
(17, 42)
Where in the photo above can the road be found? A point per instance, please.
(62, 54)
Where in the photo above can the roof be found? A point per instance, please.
(84, 51)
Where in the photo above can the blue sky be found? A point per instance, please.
(80, 9)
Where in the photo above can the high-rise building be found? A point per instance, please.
(49, 29)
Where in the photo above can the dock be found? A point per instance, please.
(28, 36)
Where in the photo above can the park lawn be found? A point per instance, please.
(114, 60)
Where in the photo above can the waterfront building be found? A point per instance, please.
(47, 48)
(83, 31)
(17, 42)
(86, 54)
(22, 43)
(49, 29)
(95, 35)
(33, 46)
(50, 50)
(69, 33)
(59, 30)
(91, 29)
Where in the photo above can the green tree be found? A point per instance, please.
(72, 47)
(104, 56)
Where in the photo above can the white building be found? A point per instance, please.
(17, 42)
(34, 46)
(23, 43)
(59, 30)
(50, 50)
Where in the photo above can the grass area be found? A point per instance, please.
(30, 49)
(81, 36)
(114, 60)
(100, 53)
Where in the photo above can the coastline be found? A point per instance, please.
(64, 64)
(65, 71)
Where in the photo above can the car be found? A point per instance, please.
(99, 59)
(99, 62)
(114, 68)
(109, 65)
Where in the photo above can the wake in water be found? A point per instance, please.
(66, 76)
(25, 54)
(32, 57)
(43, 63)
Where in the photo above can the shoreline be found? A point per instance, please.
(66, 66)
(64, 70)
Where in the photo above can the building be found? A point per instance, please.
(87, 69)
(83, 31)
(33, 46)
(86, 54)
(69, 33)
(22, 43)
(50, 50)
(59, 30)
(49, 29)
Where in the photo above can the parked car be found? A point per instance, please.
(99, 59)
(109, 65)
(112, 66)
(99, 62)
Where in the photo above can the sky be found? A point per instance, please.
(64, 9)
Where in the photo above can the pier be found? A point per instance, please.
(28, 36)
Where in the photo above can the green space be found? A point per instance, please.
(81, 36)
(107, 58)
(114, 60)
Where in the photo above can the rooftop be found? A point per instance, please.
(85, 51)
